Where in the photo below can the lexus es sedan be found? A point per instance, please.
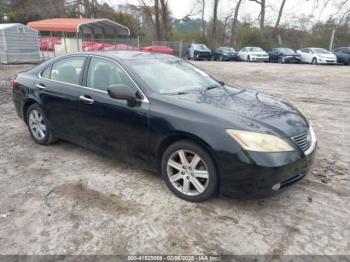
(253, 54)
(317, 56)
(159, 111)
(283, 55)
(225, 54)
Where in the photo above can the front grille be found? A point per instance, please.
(303, 140)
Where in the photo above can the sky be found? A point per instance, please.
(292, 11)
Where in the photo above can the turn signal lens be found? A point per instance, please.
(259, 142)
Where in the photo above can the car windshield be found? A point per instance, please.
(172, 76)
(321, 51)
(228, 49)
(200, 47)
(255, 49)
(287, 51)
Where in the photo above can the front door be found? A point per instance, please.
(110, 124)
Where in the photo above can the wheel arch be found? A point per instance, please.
(171, 139)
(28, 102)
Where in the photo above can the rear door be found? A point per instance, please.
(109, 124)
(59, 89)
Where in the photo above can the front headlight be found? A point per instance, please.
(259, 142)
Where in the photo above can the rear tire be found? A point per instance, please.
(38, 126)
(189, 171)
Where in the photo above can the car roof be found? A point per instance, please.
(128, 55)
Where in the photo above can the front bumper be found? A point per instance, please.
(327, 61)
(231, 57)
(291, 59)
(202, 55)
(247, 180)
(259, 58)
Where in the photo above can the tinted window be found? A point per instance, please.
(67, 70)
(255, 49)
(103, 73)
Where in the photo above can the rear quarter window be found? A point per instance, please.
(46, 72)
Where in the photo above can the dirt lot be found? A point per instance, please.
(63, 199)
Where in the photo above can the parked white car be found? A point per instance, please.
(315, 56)
(253, 54)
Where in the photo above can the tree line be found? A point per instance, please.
(153, 20)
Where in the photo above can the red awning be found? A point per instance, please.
(74, 25)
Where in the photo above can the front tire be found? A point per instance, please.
(38, 127)
(249, 59)
(314, 61)
(189, 171)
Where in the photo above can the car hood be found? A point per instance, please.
(244, 109)
(327, 55)
(289, 54)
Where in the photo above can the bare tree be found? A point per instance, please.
(215, 18)
(166, 23)
(226, 22)
(280, 14)
(203, 20)
(343, 14)
(157, 20)
(233, 40)
(262, 4)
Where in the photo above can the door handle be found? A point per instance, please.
(40, 86)
(86, 100)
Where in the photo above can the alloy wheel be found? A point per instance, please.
(188, 172)
(37, 124)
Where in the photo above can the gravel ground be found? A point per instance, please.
(64, 199)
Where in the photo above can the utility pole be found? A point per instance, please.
(331, 44)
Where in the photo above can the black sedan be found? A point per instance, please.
(283, 55)
(343, 55)
(203, 136)
(225, 54)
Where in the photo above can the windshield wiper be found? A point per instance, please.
(212, 87)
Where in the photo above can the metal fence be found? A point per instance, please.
(49, 46)
(180, 47)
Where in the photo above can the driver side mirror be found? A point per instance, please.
(122, 92)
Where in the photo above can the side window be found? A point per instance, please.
(67, 70)
(46, 72)
(103, 73)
